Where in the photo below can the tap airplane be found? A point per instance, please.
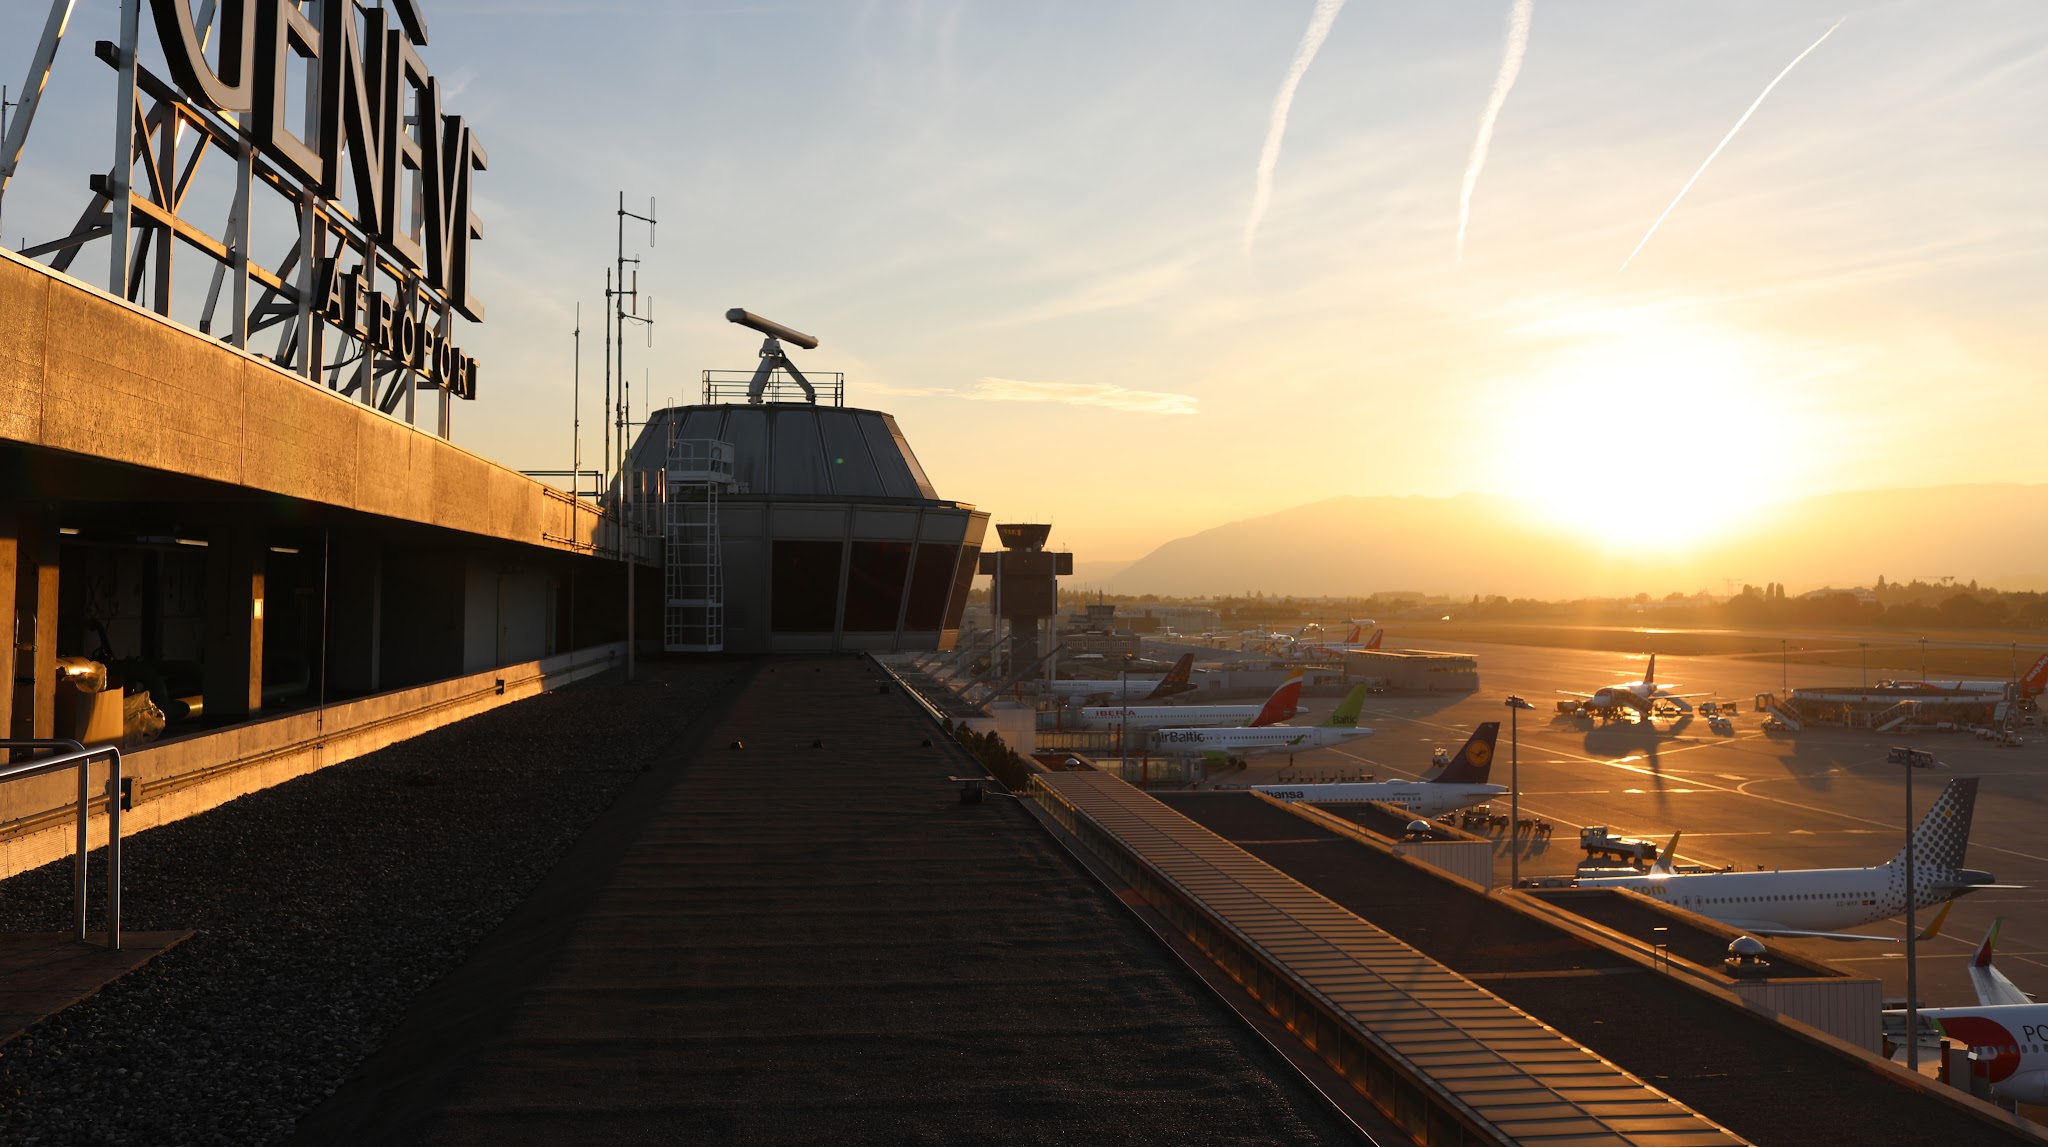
(1462, 782)
(2007, 1030)
(1638, 696)
(1818, 901)
(1245, 741)
(1282, 705)
(1145, 688)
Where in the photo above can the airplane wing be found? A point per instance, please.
(1764, 928)
(1574, 693)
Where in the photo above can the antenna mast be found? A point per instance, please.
(621, 315)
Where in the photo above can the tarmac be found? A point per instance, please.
(811, 939)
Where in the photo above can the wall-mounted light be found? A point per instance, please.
(284, 549)
(68, 531)
(191, 541)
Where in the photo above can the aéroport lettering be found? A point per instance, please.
(369, 74)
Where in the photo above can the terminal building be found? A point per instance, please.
(1414, 670)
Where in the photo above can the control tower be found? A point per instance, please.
(1026, 593)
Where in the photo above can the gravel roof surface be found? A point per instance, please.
(1738, 1069)
(322, 907)
(823, 945)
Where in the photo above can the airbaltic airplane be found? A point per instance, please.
(2008, 1031)
(1283, 704)
(1148, 688)
(1640, 696)
(1245, 741)
(1816, 901)
(1460, 783)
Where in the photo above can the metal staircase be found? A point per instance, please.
(699, 470)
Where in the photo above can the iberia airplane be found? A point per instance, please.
(1283, 704)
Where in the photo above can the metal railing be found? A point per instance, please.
(736, 385)
(81, 758)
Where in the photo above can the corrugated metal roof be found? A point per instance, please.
(796, 450)
(1524, 1078)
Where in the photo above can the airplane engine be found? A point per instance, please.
(2026, 1087)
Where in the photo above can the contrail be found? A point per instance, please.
(1510, 67)
(1304, 55)
(1724, 142)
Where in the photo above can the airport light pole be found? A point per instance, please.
(1515, 706)
(1863, 652)
(1912, 760)
(1923, 659)
(1784, 669)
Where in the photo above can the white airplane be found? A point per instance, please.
(2032, 685)
(1244, 741)
(1455, 786)
(2007, 1030)
(1639, 696)
(1283, 704)
(1124, 689)
(1817, 901)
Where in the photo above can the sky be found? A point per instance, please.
(1035, 232)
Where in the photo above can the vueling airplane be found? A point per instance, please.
(1817, 901)
(2007, 1030)
(1220, 744)
(1456, 785)
(1283, 704)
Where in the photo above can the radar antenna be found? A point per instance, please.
(772, 356)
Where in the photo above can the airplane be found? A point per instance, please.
(1639, 696)
(1458, 784)
(1283, 704)
(1372, 642)
(1146, 688)
(1306, 648)
(2032, 685)
(1817, 901)
(2007, 1030)
(1244, 741)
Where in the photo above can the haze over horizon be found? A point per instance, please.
(1141, 270)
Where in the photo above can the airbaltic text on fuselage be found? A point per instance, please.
(369, 79)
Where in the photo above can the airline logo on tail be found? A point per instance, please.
(1474, 762)
(1176, 679)
(1358, 629)
(2036, 681)
(1347, 713)
(1284, 703)
(1377, 634)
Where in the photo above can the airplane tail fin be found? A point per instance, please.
(1347, 712)
(1669, 855)
(2035, 682)
(1176, 679)
(1650, 675)
(1377, 634)
(1943, 835)
(1357, 629)
(1474, 762)
(1992, 986)
(1284, 703)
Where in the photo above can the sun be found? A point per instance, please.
(1648, 438)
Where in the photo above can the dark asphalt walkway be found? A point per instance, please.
(788, 944)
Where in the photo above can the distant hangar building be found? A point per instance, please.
(1415, 670)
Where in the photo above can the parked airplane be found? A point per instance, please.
(1283, 704)
(1640, 696)
(2007, 1030)
(1817, 901)
(1458, 784)
(1305, 648)
(2032, 685)
(1148, 688)
(1245, 741)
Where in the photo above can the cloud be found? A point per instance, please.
(1082, 394)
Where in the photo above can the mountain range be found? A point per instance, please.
(1486, 544)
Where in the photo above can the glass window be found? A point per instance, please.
(804, 587)
(961, 584)
(874, 585)
(931, 579)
